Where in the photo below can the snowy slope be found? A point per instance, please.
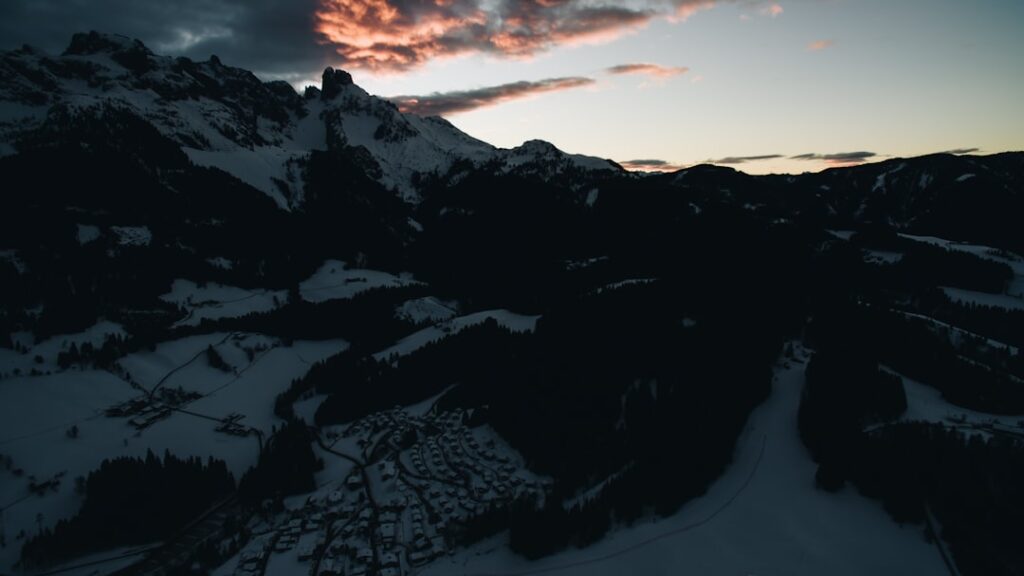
(415, 341)
(764, 517)
(423, 310)
(336, 281)
(213, 301)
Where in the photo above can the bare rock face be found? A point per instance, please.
(130, 53)
(333, 83)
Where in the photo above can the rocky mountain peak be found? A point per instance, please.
(94, 42)
(128, 52)
(334, 81)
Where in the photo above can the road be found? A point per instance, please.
(181, 548)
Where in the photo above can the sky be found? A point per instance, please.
(763, 86)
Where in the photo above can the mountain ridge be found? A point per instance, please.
(261, 132)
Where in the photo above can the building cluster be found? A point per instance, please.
(420, 484)
(147, 409)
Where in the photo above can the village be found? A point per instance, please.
(415, 484)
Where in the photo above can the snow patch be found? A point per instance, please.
(133, 235)
(422, 310)
(87, 233)
(335, 281)
(262, 167)
(984, 298)
(413, 342)
(215, 301)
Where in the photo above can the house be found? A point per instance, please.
(306, 552)
(420, 557)
(364, 556)
(389, 559)
(330, 568)
(387, 533)
(438, 546)
(284, 544)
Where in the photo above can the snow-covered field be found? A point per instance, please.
(214, 301)
(36, 414)
(926, 404)
(1014, 261)
(423, 310)
(984, 298)
(415, 341)
(336, 281)
(48, 350)
(763, 517)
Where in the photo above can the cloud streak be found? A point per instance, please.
(650, 165)
(961, 151)
(449, 103)
(839, 158)
(653, 70)
(744, 159)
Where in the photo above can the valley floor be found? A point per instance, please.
(763, 517)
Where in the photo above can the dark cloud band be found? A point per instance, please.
(650, 165)
(744, 159)
(448, 103)
(837, 158)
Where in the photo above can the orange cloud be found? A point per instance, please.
(773, 10)
(448, 103)
(648, 70)
(397, 35)
(819, 45)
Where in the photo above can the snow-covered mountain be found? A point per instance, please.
(260, 132)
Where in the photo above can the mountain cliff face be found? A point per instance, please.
(260, 132)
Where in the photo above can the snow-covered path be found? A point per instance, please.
(763, 517)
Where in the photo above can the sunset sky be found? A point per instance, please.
(787, 86)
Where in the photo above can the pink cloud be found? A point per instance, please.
(653, 70)
(398, 35)
(819, 45)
